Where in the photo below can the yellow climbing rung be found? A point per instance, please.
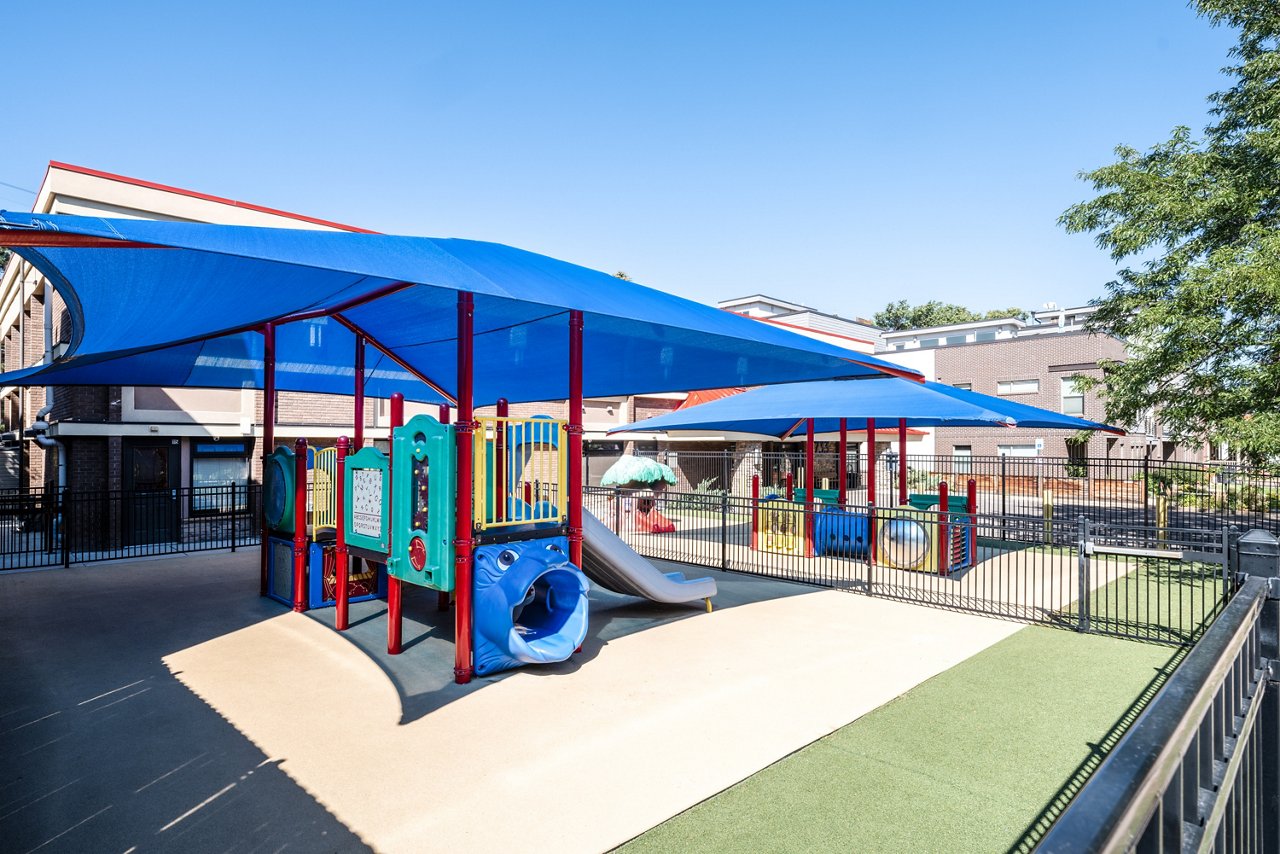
(323, 496)
(526, 481)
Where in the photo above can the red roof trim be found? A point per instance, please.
(805, 328)
(152, 185)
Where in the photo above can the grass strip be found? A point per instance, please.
(980, 758)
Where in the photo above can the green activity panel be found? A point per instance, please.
(277, 490)
(367, 510)
(423, 484)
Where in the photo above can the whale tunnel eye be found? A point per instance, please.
(506, 558)
(555, 548)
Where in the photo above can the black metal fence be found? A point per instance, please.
(1136, 492)
(1162, 586)
(1200, 768)
(38, 529)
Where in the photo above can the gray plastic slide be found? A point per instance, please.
(614, 565)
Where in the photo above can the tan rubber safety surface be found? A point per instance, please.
(576, 757)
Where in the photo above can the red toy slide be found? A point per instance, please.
(654, 522)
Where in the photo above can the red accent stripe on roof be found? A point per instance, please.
(152, 185)
(696, 398)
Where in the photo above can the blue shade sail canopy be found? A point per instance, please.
(135, 287)
(316, 355)
(781, 411)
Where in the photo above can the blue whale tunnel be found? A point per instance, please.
(530, 604)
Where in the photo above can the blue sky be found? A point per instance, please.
(837, 154)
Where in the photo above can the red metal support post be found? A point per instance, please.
(341, 560)
(944, 531)
(573, 491)
(843, 467)
(902, 461)
(810, 500)
(500, 461)
(755, 511)
(871, 489)
(395, 587)
(972, 507)
(268, 427)
(444, 413)
(300, 525)
(359, 393)
(462, 541)
(791, 486)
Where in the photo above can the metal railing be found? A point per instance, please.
(1070, 573)
(1200, 768)
(40, 529)
(1142, 493)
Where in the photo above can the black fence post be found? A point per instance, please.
(233, 515)
(617, 511)
(1082, 565)
(1004, 498)
(1257, 553)
(724, 529)
(176, 496)
(1146, 493)
(63, 521)
(1269, 720)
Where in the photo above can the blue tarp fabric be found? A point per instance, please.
(180, 315)
(775, 411)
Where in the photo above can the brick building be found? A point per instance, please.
(1034, 363)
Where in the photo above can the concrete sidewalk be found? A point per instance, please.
(322, 742)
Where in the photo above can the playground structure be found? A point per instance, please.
(397, 514)
(639, 482)
(299, 509)
(812, 522)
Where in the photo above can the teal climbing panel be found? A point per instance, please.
(424, 476)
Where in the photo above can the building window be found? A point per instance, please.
(963, 386)
(1017, 386)
(215, 468)
(962, 459)
(985, 336)
(1017, 450)
(1077, 458)
(957, 339)
(1072, 398)
(928, 342)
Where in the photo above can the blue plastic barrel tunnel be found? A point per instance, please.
(530, 604)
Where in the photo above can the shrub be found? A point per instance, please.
(703, 497)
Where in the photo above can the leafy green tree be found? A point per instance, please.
(1002, 313)
(1198, 220)
(901, 315)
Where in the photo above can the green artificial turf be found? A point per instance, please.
(1160, 600)
(979, 758)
